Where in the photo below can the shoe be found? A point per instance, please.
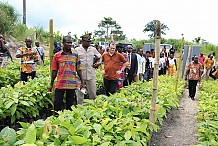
(192, 98)
(189, 96)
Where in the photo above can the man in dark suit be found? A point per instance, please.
(132, 72)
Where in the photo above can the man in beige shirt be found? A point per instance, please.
(87, 54)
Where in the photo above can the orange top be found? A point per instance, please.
(111, 65)
(208, 63)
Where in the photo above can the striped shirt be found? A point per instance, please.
(67, 64)
(28, 64)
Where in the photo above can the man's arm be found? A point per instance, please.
(79, 72)
(53, 76)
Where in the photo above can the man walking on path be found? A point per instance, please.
(208, 64)
(66, 63)
(87, 54)
(193, 72)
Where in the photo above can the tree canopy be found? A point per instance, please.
(151, 27)
(107, 27)
(9, 17)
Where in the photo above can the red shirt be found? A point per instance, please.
(111, 65)
(67, 64)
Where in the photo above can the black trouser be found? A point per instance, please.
(59, 96)
(192, 87)
(23, 75)
(110, 86)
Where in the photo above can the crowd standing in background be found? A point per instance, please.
(74, 67)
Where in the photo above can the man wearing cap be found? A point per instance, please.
(4, 52)
(87, 54)
(29, 57)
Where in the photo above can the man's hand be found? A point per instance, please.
(103, 72)
(186, 78)
(119, 72)
(134, 74)
(50, 88)
(82, 85)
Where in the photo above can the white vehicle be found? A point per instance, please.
(103, 44)
(167, 46)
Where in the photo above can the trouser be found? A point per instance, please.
(110, 86)
(172, 70)
(23, 75)
(211, 73)
(206, 72)
(91, 88)
(192, 87)
(59, 96)
(3, 61)
(146, 74)
(130, 79)
(136, 78)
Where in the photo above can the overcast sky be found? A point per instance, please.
(193, 18)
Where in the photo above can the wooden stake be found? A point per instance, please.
(179, 65)
(155, 74)
(51, 50)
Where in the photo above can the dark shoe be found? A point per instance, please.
(192, 98)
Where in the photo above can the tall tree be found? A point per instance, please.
(107, 27)
(151, 27)
(8, 16)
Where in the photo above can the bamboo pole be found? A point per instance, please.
(155, 74)
(179, 67)
(51, 52)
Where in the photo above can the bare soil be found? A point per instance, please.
(179, 128)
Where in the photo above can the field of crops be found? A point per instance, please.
(208, 114)
(121, 119)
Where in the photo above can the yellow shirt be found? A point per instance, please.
(208, 63)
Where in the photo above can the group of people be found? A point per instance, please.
(199, 68)
(74, 68)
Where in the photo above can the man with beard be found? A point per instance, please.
(193, 73)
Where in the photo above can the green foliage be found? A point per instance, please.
(121, 119)
(208, 115)
(207, 49)
(151, 27)
(8, 16)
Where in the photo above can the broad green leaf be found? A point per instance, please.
(30, 137)
(127, 135)
(24, 103)
(97, 128)
(9, 135)
(8, 105)
(13, 109)
(79, 139)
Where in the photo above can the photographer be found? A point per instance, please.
(90, 59)
(4, 52)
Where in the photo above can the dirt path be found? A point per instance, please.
(179, 128)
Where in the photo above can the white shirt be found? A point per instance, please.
(86, 58)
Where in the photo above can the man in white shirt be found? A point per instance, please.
(41, 53)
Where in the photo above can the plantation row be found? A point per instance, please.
(208, 114)
(26, 101)
(121, 119)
